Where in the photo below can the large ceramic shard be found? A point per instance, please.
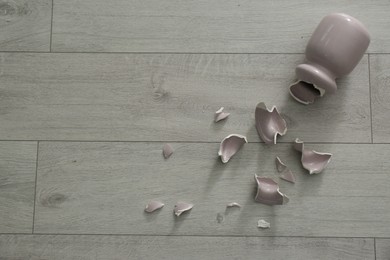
(153, 206)
(181, 207)
(269, 123)
(220, 115)
(312, 161)
(230, 145)
(268, 192)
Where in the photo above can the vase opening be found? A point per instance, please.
(304, 92)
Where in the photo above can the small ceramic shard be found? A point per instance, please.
(305, 93)
(268, 192)
(311, 160)
(220, 115)
(233, 204)
(153, 206)
(287, 175)
(280, 166)
(181, 207)
(263, 224)
(167, 150)
(230, 145)
(269, 123)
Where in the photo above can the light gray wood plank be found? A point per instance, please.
(17, 185)
(152, 97)
(25, 25)
(103, 188)
(150, 247)
(246, 26)
(382, 249)
(380, 96)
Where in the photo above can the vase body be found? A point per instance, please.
(334, 49)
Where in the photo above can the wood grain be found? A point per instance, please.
(380, 95)
(102, 188)
(145, 247)
(382, 249)
(151, 97)
(245, 26)
(17, 185)
(25, 25)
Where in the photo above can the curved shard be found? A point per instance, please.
(312, 161)
(263, 224)
(280, 166)
(268, 192)
(153, 206)
(181, 207)
(220, 115)
(230, 145)
(269, 123)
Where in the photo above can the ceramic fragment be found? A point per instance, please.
(230, 145)
(233, 204)
(263, 224)
(268, 192)
(181, 207)
(311, 160)
(220, 115)
(280, 166)
(167, 150)
(269, 123)
(286, 175)
(153, 206)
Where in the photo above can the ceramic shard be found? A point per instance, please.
(268, 192)
(233, 204)
(287, 175)
(230, 145)
(311, 160)
(153, 206)
(305, 93)
(280, 166)
(181, 207)
(263, 224)
(269, 123)
(220, 115)
(167, 150)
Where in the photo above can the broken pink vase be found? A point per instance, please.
(335, 48)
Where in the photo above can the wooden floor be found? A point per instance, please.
(91, 90)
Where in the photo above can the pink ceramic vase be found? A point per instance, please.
(335, 48)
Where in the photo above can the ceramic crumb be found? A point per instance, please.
(269, 123)
(153, 206)
(220, 115)
(263, 224)
(311, 160)
(167, 151)
(230, 145)
(268, 192)
(181, 207)
(233, 204)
